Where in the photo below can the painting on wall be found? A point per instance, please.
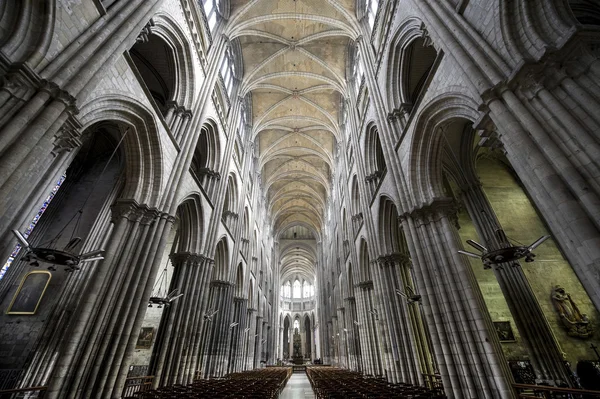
(30, 292)
(504, 330)
(145, 338)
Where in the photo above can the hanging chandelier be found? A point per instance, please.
(509, 253)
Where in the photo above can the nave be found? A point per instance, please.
(196, 192)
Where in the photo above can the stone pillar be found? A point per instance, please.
(355, 353)
(466, 347)
(110, 312)
(368, 332)
(236, 355)
(250, 339)
(545, 354)
(403, 338)
(258, 342)
(216, 343)
(174, 357)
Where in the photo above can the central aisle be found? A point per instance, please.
(298, 387)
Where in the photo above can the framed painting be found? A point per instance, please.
(30, 292)
(145, 338)
(504, 330)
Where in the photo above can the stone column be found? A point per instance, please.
(240, 307)
(174, 358)
(546, 356)
(217, 337)
(354, 335)
(258, 342)
(250, 340)
(110, 312)
(343, 353)
(402, 335)
(368, 333)
(465, 344)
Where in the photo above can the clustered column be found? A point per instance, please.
(470, 360)
(176, 353)
(217, 328)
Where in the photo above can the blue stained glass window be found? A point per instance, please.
(34, 221)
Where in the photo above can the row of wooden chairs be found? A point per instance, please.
(256, 384)
(336, 383)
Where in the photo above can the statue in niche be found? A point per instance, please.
(576, 323)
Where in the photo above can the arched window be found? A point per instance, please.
(376, 166)
(34, 221)
(297, 293)
(306, 289)
(287, 290)
(210, 9)
(358, 71)
(227, 71)
(371, 7)
(296, 325)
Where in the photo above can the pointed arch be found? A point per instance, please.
(221, 268)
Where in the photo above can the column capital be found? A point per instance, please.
(131, 210)
(365, 285)
(434, 210)
(394, 258)
(68, 136)
(187, 257)
(221, 283)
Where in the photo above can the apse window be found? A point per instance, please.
(297, 289)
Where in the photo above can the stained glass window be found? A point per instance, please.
(34, 221)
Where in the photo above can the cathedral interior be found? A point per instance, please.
(375, 198)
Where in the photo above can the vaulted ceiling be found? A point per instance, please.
(294, 55)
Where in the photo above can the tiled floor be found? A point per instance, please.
(298, 387)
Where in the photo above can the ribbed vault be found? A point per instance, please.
(294, 54)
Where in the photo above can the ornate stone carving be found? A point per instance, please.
(576, 323)
(395, 258)
(144, 35)
(67, 138)
(436, 209)
(425, 36)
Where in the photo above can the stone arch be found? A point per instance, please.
(164, 61)
(364, 261)
(208, 150)
(587, 12)
(32, 25)
(206, 161)
(350, 280)
(410, 61)
(374, 159)
(231, 196)
(251, 294)
(170, 31)
(239, 281)
(221, 268)
(355, 199)
(425, 164)
(191, 224)
(392, 237)
(143, 154)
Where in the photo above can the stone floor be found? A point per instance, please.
(298, 387)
